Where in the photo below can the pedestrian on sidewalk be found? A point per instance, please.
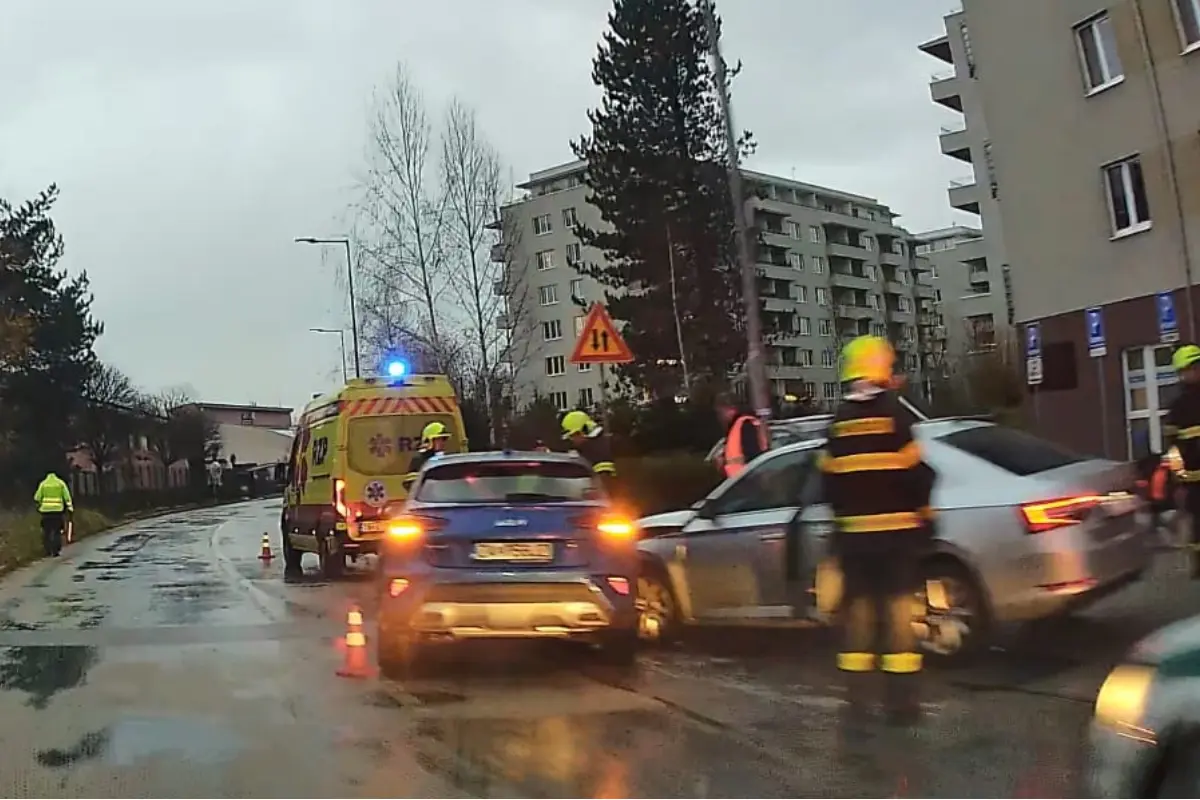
(1181, 430)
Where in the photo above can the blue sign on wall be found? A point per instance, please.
(1097, 345)
(1033, 340)
(1168, 322)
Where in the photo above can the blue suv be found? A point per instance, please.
(507, 545)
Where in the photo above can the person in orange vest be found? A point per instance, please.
(1154, 482)
(745, 436)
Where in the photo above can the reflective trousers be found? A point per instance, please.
(879, 600)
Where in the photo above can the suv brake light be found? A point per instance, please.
(1048, 515)
(410, 527)
(616, 527)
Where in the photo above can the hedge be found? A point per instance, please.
(668, 482)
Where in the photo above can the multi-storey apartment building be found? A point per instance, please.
(1092, 110)
(959, 274)
(831, 264)
(966, 140)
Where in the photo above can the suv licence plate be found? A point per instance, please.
(513, 551)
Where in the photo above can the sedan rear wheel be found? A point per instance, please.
(955, 619)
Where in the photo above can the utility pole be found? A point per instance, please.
(687, 381)
(756, 368)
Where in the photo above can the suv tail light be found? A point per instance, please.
(616, 528)
(1048, 515)
(410, 526)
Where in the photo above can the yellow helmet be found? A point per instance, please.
(1186, 356)
(577, 422)
(868, 358)
(434, 430)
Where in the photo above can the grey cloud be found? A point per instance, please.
(194, 140)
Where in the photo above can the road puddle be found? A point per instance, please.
(133, 739)
(43, 671)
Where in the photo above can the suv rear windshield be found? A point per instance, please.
(1011, 450)
(508, 482)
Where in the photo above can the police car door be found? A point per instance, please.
(735, 548)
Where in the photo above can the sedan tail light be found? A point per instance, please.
(1047, 515)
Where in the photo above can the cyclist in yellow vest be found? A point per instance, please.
(53, 500)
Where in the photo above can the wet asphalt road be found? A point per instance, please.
(165, 660)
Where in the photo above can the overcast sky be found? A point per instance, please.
(193, 141)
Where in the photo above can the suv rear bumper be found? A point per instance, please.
(473, 606)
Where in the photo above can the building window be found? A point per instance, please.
(827, 358)
(1129, 210)
(560, 400)
(545, 260)
(569, 218)
(815, 234)
(878, 329)
(585, 367)
(552, 330)
(868, 243)
(1098, 53)
(794, 230)
(869, 271)
(818, 265)
(804, 326)
(579, 325)
(810, 390)
(904, 305)
(829, 390)
(806, 358)
(873, 300)
(585, 397)
(555, 366)
(1188, 14)
(573, 254)
(548, 295)
(824, 327)
(801, 294)
(542, 225)
(822, 296)
(577, 289)
(795, 260)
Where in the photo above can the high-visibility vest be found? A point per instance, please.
(735, 458)
(52, 495)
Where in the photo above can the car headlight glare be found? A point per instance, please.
(1122, 699)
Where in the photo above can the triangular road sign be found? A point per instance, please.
(599, 342)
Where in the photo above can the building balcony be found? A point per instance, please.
(938, 47)
(499, 253)
(897, 288)
(924, 290)
(954, 142)
(500, 287)
(504, 322)
(848, 250)
(944, 90)
(786, 371)
(778, 304)
(964, 195)
(849, 280)
(853, 311)
(894, 259)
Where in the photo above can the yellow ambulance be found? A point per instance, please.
(345, 477)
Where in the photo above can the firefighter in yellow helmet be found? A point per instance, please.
(879, 489)
(587, 440)
(1181, 434)
(434, 438)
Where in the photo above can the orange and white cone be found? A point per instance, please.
(356, 664)
(265, 554)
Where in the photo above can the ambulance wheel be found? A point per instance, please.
(333, 560)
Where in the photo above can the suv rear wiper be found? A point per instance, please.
(532, 497)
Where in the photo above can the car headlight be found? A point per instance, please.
(1122, 699)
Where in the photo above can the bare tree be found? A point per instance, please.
(403, 211)
(107, 420)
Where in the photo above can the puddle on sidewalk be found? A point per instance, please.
(43, 671)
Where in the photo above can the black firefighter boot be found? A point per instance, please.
(902, 700)
(855, 714)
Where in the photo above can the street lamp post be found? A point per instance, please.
(345, 242)
(756, 368)
(341, 332)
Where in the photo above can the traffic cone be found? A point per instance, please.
(266, 554)
(355, 664)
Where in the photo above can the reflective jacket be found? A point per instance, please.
(52, 495)
(419, 460)
(874, 477)
(1182, 429)
(598, 454)
(744, 442)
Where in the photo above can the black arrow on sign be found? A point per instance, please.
(600, 341)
